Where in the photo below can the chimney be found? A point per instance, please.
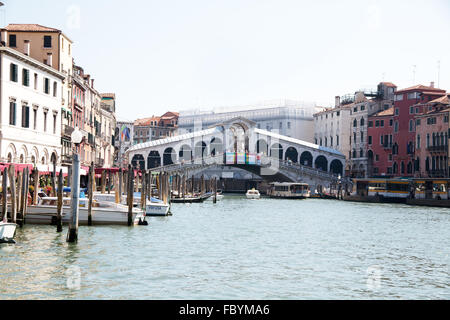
(92, 83)
(432, 84)
(50, 59)
(26, 47)
(338, 101)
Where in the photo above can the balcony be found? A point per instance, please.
(67, 130)
(66, 159)
(442, 148)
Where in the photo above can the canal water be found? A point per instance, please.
(241, 249)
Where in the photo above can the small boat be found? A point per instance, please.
(155, 207)
(253, 194)
(7, 232)
(219, 196)
(103, 212)
(192, 198)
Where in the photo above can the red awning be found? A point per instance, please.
(18, 167)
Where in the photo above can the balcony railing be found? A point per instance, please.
(442, 148)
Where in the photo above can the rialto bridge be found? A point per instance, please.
(239, 143)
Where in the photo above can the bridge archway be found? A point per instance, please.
(185, 153)
(321, 163)
(291, 154)
(153, 160)
(216, 146)
(276, 151)
(262, 146)
(336, 167)
(200, 150)
(169, 157)
(138, 162)
(306, 159)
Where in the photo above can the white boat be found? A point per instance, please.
(153, 208)
(253, 194)
(7, 232)
(103, 212)
(219, 197)
(288, 190)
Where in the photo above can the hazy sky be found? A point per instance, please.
(160, 55)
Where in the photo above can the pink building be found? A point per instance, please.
(432, 129)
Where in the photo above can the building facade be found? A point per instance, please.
(290, 118)
(155, 128)
(30, 110)
(408, 103)
(123, 141)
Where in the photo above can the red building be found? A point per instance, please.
(396, 157)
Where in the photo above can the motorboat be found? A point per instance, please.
(253, 194)
(103, 212)
(154, 207)
(7, 232)
(287, 190)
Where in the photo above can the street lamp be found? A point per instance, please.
(77, 136)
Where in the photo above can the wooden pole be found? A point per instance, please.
(69, 176)
(59, 227)
(12, 185)
(130, 195)
(20, 198)
(143, 190)
(91, 183)
(72, 235)
(109, 181)
(103, 182)
(120, 185)
(27, 190)
(215, 189)
(158, 182)
(116, 187)
(36, 185)
(5, 195)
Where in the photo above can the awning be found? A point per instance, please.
(19, 167)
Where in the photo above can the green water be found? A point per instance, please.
(241, 249)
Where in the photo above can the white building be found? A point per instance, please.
(289, 118)
(30, 109)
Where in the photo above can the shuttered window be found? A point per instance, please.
(12, 113)
(13, 72)
(25, 116)
(26, 77)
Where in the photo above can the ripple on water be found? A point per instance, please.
(240, 249)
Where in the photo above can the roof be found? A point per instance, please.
(108, 95)
(389, 84)
(298, 141)
(387, 112)
(146, 121)
(179, 138)
(445, 99)
(29, 28)
(421, 87)
(170, 114)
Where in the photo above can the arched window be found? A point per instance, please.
(355, 123)
(354, 153)
(362, 122)
(361, 153)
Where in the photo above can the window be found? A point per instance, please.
(381, 123)
(289, 125)
(381, 140)
(55, 87)
(413, 95)
(45, 121)
(34, 119)
(446, 119)
(26, 77)
(370, 140)
(417, 122)
(397, 111)
(326, 142)
(12, 113)
(362, 136)
(411, 125)
(355, 123)
(25, 116)
(377, 123)
(428, 140)
(391, 122)
(377, 157)
(46, 85)
(281, 125)
(411, 110)
(396, 126)
(331, 141)
(12, 41)
(361, 153)
(47, 41)
(363, 108)
(355, 109)
(362, 122)
(337, 140)
(54, 123)
(354, 137)
(14, 72)
(35, 81)
(370, 124)
(398, 97)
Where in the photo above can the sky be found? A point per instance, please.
(187, 54)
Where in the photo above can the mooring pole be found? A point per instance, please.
(59, 227)
(27, 189)
(120, 185)
(5, 195)
(12, 185)
(91, 183)
(72, 235)
(109, 181)
(130, 192)
(36, 185)
(215, 189)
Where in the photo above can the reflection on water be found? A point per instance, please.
(241, 249)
